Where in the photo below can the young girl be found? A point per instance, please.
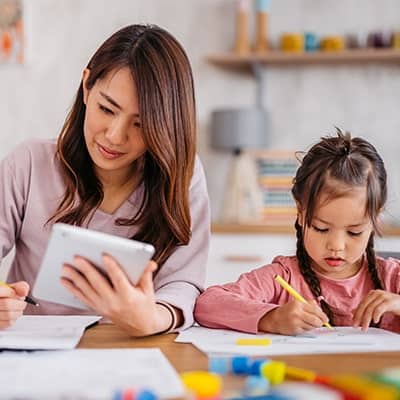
(125, 164)
(340, 190)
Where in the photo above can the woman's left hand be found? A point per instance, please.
(374, 305)
(132, 307)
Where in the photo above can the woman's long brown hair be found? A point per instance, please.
(163, 77)
(353, 163)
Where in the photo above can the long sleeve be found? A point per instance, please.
(182, 277)
(13, 192)
(238, 306)
(241, 305)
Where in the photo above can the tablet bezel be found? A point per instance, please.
(67, 241)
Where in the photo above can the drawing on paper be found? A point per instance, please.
(11, 32)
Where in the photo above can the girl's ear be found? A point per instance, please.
(300, 215)
(85, 76)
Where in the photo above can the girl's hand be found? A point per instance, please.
(132, 307)
(293, 318)
(12, 304)
(374, 305)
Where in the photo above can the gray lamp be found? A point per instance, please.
(237, 130)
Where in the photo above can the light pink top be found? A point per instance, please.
(240, 305)
(30, 190)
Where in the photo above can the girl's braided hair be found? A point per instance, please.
(351, 162)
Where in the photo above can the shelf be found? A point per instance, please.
(320, 57)
(232, 228)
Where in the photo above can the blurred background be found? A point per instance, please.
(301, 100)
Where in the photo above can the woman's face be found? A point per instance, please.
(112, 128)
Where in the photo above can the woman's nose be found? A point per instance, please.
(116, 132)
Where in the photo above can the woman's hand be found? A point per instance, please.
(132, 307)
(12, 304)
(293, 318)
(374, 305)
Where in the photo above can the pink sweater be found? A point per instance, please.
(31, 188)
(241, 305)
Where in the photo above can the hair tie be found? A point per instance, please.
(320, 298)
(345, 150)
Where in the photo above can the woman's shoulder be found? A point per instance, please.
(34, 149)
(198, 173)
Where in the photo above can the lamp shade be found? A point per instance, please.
(237, 129)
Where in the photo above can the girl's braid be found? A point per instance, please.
(309, 274)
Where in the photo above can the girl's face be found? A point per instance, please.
(112, 129)
(338, 235)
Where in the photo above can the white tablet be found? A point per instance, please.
(67, 241)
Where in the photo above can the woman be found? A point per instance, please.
(124, 164)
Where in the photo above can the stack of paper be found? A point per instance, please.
(323, 340)
(47, 332)
(86, 374)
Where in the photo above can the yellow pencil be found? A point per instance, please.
(26, 298)
(295, 294)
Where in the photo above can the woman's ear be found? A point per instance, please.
(85, 77)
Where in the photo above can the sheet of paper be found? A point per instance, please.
(45, 332)
(86, 374)
(323, 340)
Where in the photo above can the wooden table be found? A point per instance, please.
(185, 357)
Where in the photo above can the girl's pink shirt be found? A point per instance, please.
(241, 305)
(30, 191)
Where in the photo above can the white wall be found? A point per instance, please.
(304, 103)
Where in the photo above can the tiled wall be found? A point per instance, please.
(303, 103)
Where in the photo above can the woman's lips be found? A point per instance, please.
(107, 153)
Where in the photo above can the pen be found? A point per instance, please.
(295, 294)
(27, 299)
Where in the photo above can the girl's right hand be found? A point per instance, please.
(12, 304)
(293, 318)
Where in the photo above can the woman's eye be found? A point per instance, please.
(354, 233)
(105, 110)
(137, 124)
(319, 229)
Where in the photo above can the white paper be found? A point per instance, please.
(86, 374)
(323, 340)
(45, 332)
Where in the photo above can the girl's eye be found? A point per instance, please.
(137, 124)
(319, 229)
(105, 110)
(354, 233)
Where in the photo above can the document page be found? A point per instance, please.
(45, 332)
(322, 340)
(86, 374)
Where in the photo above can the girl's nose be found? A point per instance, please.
(336, 243)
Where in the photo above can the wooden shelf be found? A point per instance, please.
(320, 57)
(232, 228)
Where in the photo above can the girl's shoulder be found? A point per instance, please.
(286, 266)
(389, 272)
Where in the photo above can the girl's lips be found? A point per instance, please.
(334, 262)
(107, 153)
